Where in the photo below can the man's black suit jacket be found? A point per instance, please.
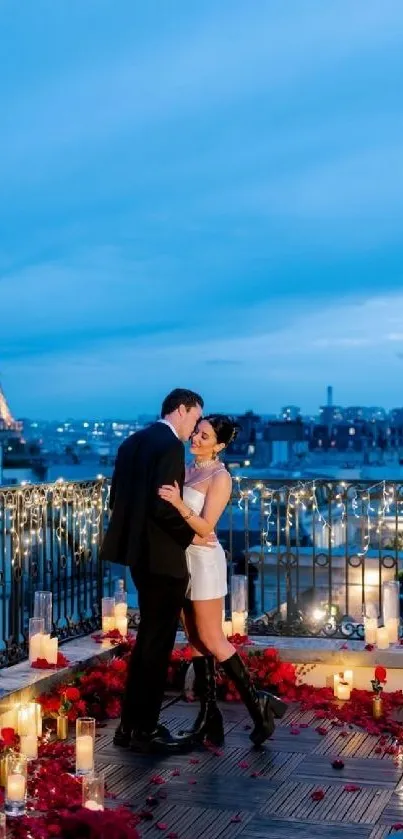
(145, 532)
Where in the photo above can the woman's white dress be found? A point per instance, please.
(207, 566)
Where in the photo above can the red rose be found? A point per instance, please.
(72, 694)
(8, 736)
(119, 665)
(380, 673)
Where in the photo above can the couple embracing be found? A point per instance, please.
(162, 527)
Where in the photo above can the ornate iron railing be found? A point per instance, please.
(315, 554)
(49, 540)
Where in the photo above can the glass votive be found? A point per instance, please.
(121, 625)
(93, 791)
(2, 826)
(108, 614)
(36, 633)
(43, 609)
(29, 746)
(85, 741)
(16, 785)
(120, 600)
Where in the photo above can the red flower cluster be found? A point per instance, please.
(96, 693)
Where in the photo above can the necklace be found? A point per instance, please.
(201, 464)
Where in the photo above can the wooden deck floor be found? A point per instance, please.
(251, 794)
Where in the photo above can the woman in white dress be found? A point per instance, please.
(206, 494)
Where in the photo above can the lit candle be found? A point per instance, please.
(45, 647)
(84, 753)
(343, 691)
(348, 678)
(370, 627)
(27, 723)
(120, 610)
(238, 623)
(15, 790)
(336, 681)
(108, 623)
(382, 638)
(93, 805)
(35, 647)
(52, 651)
(392, 625)
(227, 628)
(121, 625)
(29, 746)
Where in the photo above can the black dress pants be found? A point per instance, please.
(161, 599)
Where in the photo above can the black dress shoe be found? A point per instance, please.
(122, 736)
(161, 741)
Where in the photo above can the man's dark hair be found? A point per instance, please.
(180, 396)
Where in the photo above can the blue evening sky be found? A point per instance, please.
(206, 194)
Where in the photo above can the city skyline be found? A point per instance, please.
(207, 197)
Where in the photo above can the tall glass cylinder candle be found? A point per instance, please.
(2, 826)
(391, 609)
(16, 785)
(108, 614)
(85, 741)
(93, 791)
(43, 609)
(370, 630)
(239, 600)
(29, 746)
(36, 632)
(120, 600)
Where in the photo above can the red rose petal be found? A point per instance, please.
(317, 795)
(243, 764)
(351, 788)
(235, 819)
(161, 825)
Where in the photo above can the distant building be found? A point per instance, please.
(290, 413)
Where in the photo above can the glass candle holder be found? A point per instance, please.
(108, 614)
(121, 625)
(26, 720)
(16, 785)
(29, 746)
(93, 791)
(43, 609)
(85, 741)
(120, 600)
(391, 609)
(62, 727)
(239, 600)
(2, 826)
(36, 633)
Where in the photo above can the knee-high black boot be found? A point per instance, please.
(261, 705)
(208, 724)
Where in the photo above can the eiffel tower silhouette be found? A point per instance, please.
(7, 421)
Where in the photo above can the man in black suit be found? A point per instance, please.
(148, 534)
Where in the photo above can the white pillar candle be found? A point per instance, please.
(44, 646)
(382, 638)
(84, 753)
(120, 610)
(238, 623)
(343, 691)
(26, 720)
(336, 682)
(370, 628)
(227, 628)
(108, 623)
(121, 625)
(35, 647)
(392, 625)
(15, 789)
(29, 746)
(52, 651)
(348, 678)
(93, 805)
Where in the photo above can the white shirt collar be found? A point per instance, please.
(169, 424)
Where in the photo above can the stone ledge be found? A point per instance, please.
(21, 683)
